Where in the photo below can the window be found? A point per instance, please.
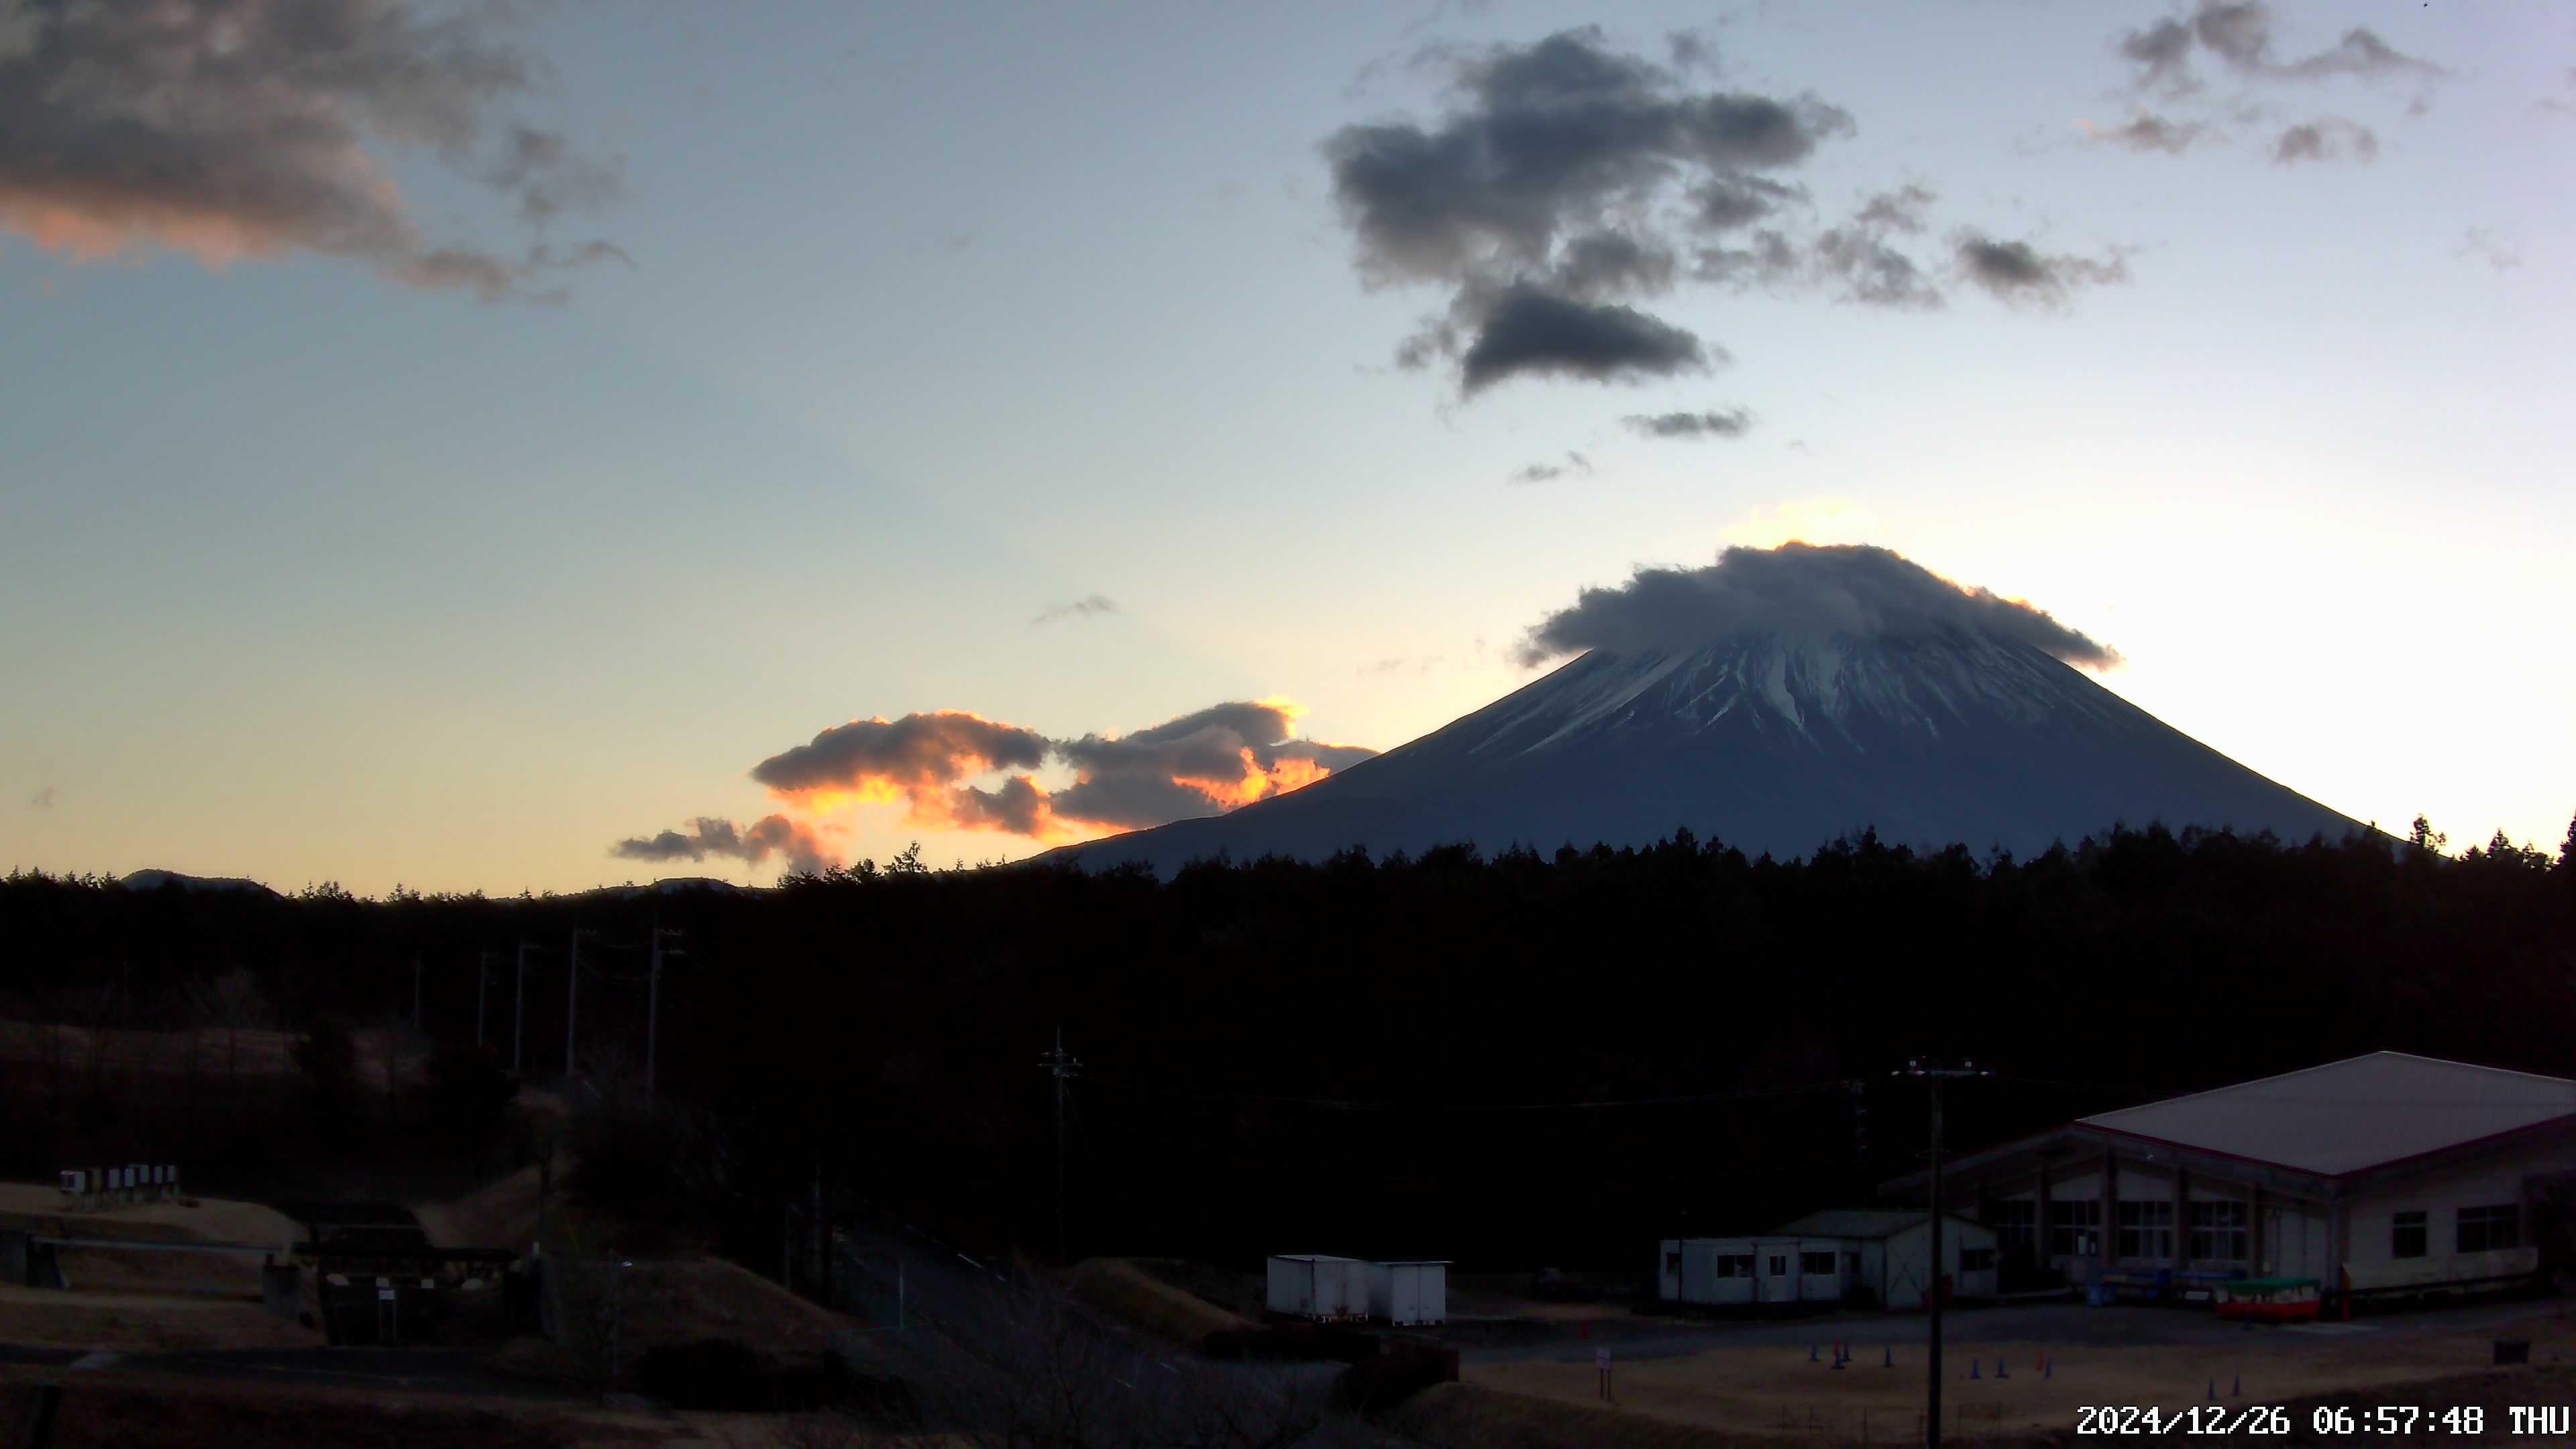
(2218, 1232)
(1779, 1265)
(2487, 1229)
(2016, 1225)
(1820, 1264)
(2071, 1227)
(1976, 1260)
(2406, 1235)
(1735, 1265)
(1672, 1265)
(2146, 1229)
(1851, 1264)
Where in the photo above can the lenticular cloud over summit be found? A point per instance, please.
(1850, 590)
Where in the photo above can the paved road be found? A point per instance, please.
(2069, 1324)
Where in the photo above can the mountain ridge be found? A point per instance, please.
(1774, 743)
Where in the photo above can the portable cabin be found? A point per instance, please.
(1727, 1272)
(1887, 1256)
(1408, 1293)
(1319, 1287)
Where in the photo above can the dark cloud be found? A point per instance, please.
(2016, 271)
(1898, 210)
(2162, 52)
(1610, 264)
(919, 752)
(2155, 133)
(2480, 243)
(549, 177)
(43, 799)
(1084, 607)
(1855, 261)
(1550, 472)
(1527, 331)
(2239, 34)
(231, 130)
(1200, 763)
(1862, 267)
(1730, 423)
(1729, 201)
(1535, 195)
(2329, 139)
(1847, 589)
(753, 844)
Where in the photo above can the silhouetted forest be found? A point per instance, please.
(1518, 1059)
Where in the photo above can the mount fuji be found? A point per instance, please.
(1775, 740)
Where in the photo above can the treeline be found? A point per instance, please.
(1517, 1059)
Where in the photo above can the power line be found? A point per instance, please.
(1686, 1099)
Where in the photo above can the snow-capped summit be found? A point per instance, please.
(1769, 740)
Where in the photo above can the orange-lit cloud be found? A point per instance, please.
(1203, 763)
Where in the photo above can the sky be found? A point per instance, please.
(527, 446)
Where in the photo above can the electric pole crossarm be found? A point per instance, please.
(1934, 1076)
(1059, 1064)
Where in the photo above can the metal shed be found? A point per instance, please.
(1408, 1293)
(1319, 1286)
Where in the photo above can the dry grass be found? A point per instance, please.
(500, 1214)
(39, 1207)
(673, 1303)
(139, 1322)
(1119, 1287)
(1753, 1389)
(219, 1051)
(120, 1410)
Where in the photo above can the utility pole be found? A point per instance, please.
(519, 1010)
(572, 998)
(415, 991)
(1059, 1065)
(482, 980)
(1935, 1076)
(653, 1003)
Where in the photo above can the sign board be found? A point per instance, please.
(384, 1295)
(1601, 1358)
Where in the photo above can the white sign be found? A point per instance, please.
(1601, 1358)
(384, 1295)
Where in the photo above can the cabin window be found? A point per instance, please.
(1735, 1265)
(2218, 1232)
(1779, 1265)
(2488, 1229)
(2146, 1229)
(2068, 1227)
(1976, 1260)
(2016, 1225)
(1672, 1265)
(2406, 1235)
(1820, 1264)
